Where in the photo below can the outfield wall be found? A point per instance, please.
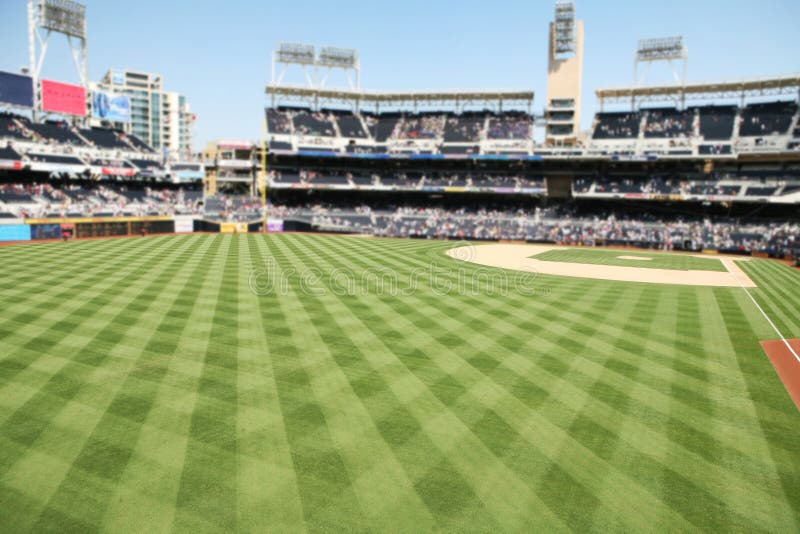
(90, 227)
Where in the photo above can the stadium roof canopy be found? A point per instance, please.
(742, 89)
(456, 99)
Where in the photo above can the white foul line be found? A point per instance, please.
(785, 342)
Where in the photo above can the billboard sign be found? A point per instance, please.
(111, 107)
(184, 224)
(188, 176)
(116, 171)
(274, 225)
(63, 98)
(234, 144)
(16, 90)
(10, 164)
(15, 232)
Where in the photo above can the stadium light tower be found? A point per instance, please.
(345, 59)
(56, 16)
(564, 74)
(669, 49)
(311, 63)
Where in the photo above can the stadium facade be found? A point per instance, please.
(690, 165)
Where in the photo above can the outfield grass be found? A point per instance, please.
(651, 260)
(144, 386)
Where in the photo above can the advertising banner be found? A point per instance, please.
(274, 225)
(45, 231)
(115, 171)
(234, 144)
(63, 168)
(233, 228)
(10, 164)
(15, 232)
(187, 176)
(16, 90)
(184, 224)
(111, 107)
(63, 98)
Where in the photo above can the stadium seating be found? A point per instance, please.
(616, 125)
(556, 225)
(667, 123)
(279, 121)
(11, 128)
(56, 132)
(104, 138)
(717, 122)
(312, 123)
(138, 144)
(381, 127)
(420, 126)
(773, 118)
(464, 128)
(55, 158)
(510, 126)
(9, 154)
(350, 125)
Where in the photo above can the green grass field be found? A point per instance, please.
(146, 386)
(651, 260)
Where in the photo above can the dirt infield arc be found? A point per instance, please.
(518, 257)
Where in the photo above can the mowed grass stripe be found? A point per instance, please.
(65, 274)
(665, 346)
(267, 483)
(778, 287)
(384, 493)
(778, 424)
(323, 483)
(603, 317)
(463, 397)
(457, 486)
(580, 469)
(85, 492)
(54, 424)
(148, 489)
(207, 494)
(149, 429)
(22, 366)
(53, 261)
(609, 331)
(28, 317)
(765, 472)
(724, 474)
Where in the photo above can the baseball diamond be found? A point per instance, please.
(177, 397)
(399, 267)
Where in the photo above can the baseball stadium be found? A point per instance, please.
(399, 311)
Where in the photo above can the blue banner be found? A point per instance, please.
(15, 232)
(111, 107)
(16, 90)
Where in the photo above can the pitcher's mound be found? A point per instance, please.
(634, 258)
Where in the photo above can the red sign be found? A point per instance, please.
(63, 98)
(117, 171)
(10, 164)
(233, 144)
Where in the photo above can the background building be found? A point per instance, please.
(161, 118)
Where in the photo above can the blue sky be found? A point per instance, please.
(218, 53)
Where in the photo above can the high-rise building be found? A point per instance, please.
(163, 119)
